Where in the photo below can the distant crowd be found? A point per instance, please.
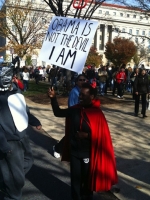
(106, 78)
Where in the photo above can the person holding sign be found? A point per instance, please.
(88, 144)
(73, 99)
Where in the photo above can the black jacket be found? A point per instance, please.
(79, 147)
(141, 84)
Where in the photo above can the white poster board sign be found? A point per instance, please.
(67, 42)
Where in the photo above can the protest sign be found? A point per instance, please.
(67, 42)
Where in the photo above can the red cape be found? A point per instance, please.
(20, 85)
(103, 173)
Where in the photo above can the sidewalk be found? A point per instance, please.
(130, 137)
(132, 148)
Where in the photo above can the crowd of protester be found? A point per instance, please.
(115, 79)
(87, 136)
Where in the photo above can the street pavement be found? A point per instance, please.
(49, 178)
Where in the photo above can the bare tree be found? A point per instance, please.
(141, 5)
(23, 25)
(65, 7)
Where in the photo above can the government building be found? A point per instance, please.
(116, 20)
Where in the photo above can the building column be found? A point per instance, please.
(109, 33)
(105, 35)
(96, 39)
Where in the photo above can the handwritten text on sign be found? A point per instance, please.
(67, 42)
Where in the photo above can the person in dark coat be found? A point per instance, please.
(132, 77)
(90, 73)
(73, 99)
(88, 145)
(141, 88)
(15, 152)
(36, 75)
(48, 70)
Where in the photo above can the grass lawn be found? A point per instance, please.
(36, 89)
(38, 94)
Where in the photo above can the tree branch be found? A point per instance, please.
(68, 8)
(51, 5)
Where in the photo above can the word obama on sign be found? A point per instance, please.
(67, 42)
